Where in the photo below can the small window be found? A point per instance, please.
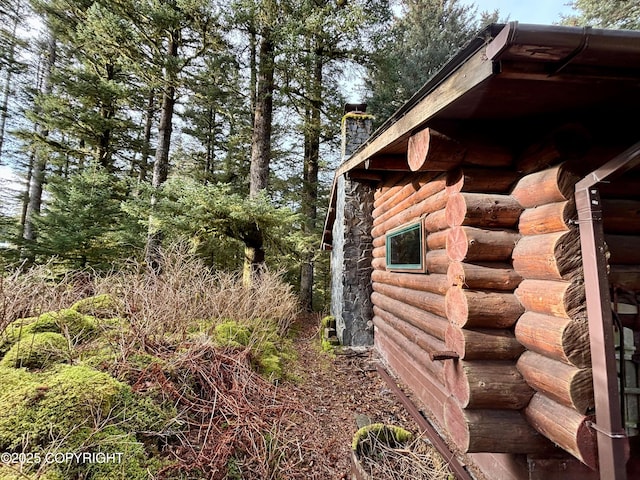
(405, 248)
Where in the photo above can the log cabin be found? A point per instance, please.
(485, 240)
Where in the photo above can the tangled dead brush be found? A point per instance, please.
(416, 460)
(39, 289)
(170, 303)
(231, 415)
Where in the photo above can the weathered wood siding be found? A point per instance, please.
(464, 304)
(409, 309)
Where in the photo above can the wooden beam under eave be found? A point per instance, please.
(387, 163)
(364, 175)
(473, 72)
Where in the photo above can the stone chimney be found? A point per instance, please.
(356, 127)
(351, 253)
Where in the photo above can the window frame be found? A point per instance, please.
(407, 267)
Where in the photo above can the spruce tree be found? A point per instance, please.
(426, 35)
(615, 14)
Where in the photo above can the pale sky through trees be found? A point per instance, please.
(544, 12)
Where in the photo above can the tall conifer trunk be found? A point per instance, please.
(161, 162)
(36, 183)
(310, 176)
(260, 149)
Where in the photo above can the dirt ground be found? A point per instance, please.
(334, 389)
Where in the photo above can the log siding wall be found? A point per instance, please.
(504, 294)
(409, 309)
(464, 305)
(553, 327)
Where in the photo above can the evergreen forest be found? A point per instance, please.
(126, 126)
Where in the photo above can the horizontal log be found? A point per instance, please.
(430, 323)
(471, 244)
(411, 213)
(487, 210)
(387, 163)
(437, 261)
(569, 142)
(410, 187)
(560, 466)
(379, 252)
(419, 354)
(623, 249)
(483, 276)
(429, 150)
(437, 240)
(481, 153)
(431, 392)
(427, 301)
(434, 283)
(555, 184)
(625, 276)
(480, 180)
(379, 263)
(490, 430)
(483, 343)
(415, 195)
(566, 384)
(558, 338)
(400, 193)
(553, 297)
(436, 221)
(478, 309)
(621, 216)
(598, 155)
(564, 426)
(382, 195)
(389, 187)
(433, 346)
(487, 384)
(548, 218)
(380, 241)
(359, 174)
(626, 186)
(551, 256)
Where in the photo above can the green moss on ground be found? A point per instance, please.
(75, 408)
(67, 321)
(232, 334)
(390, 435)
(9, 473)
(99, 306)
(270, 351)
(76, 326)
(37, 350)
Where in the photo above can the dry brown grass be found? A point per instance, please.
(38, 290)
(157, 306)
(188, 295)
(418, 460)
